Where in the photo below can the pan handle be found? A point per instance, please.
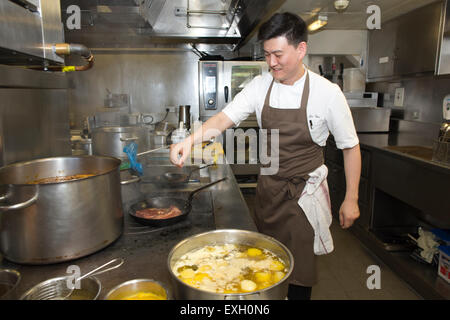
(241, 297)
(191, 195)
(96, 271)
(130, 181)
(153, 150)
(20, 205)
(198, 168)
(128, 139)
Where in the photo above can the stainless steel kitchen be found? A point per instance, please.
(113, 188)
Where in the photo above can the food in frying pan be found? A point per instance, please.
(60, 179)
(230, 268)
(158, 213)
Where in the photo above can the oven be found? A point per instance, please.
(219, 83)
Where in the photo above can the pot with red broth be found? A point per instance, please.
(55, 219)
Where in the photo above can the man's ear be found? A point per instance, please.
(302, 48)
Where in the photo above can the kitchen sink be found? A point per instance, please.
(425, 153)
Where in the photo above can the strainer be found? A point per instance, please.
(61, 289)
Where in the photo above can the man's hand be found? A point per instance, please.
(210, 129)
(348, 213)
(180, 151)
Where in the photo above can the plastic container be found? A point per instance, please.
(444, 263)
(179, 134)
(354, 80)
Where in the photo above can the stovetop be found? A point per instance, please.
(145, 249)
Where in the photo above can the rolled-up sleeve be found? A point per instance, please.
(340, 121)
(243, 103)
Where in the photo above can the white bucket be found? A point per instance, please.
(354, 80)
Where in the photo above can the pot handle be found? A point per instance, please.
(20, 205)
(240, 297)
(129, 139)
(132, 180)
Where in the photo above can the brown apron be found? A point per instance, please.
(277, 212)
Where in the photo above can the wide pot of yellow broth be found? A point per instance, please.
(139, 289)
(230, 264)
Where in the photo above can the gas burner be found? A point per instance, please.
(135, 228)
(157, 180)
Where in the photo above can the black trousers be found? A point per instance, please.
(299, 292)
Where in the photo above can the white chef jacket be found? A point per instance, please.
(327, 110)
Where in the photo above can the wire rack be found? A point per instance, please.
(441, 151)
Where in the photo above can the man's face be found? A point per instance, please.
(284, 60)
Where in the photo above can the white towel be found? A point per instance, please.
(315, 202)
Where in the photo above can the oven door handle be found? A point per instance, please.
(226, 90)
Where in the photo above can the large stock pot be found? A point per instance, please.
(183, 291)
(110, 141)
(52, 222)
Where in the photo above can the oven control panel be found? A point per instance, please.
(210, 86)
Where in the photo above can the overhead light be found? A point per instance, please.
(341, 5)
(321, 21)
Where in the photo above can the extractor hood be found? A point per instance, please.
(28, 29)
(146, 23)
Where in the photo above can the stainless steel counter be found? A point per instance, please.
(409, 151)
(409, 145)
(145, 249)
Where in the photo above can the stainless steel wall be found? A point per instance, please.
(423, 97)
(34, 115)
(153, 79)
(34, 123)
(421, 114)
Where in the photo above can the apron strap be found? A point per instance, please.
(293, 186)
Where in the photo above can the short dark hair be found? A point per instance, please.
(285, 24)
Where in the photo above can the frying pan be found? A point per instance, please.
(178, 178)
(173, 178)
(165, 202)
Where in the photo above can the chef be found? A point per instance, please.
(304, 107)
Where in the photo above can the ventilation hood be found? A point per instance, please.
(28, 29)
(162, 23)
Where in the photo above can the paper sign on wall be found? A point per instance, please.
(383, 60)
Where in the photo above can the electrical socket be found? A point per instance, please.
(399, 97)
(180, 11)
